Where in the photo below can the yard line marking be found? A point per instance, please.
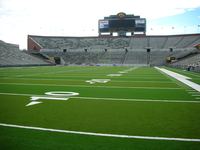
(59, 71)
(17, 94)
(191, 90)
(97, 76)
(114, 80)
(195, 92)
(101, 134)
(138, 100)
(118, 87)
(113, 99)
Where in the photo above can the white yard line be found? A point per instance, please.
(191, 90)
(196, 95)
(55, 72)
(182, 78)
(118, 87)
(138, 100)
(112, 99)
(101, 134)
(194, 92)
(114, 80)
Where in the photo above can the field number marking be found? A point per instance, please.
(114, 75)
(93, 81)
(56, 95)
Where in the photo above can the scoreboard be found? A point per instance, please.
(122, 22)
(125, 23)
(104, 25)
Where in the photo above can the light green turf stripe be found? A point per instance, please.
(112, 99)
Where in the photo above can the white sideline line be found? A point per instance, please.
(182, 78)
(101, 134)
(117, 87)
(114, 99)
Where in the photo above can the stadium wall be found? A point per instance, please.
(33, 45)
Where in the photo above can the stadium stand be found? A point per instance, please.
(190, 60)
(115, 50)
(10, 55)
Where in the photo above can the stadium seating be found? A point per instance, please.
(117, 50)
(190, 62)
(156, 42)
(10, 55)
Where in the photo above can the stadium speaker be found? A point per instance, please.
(171, 49)
(148, 50)
(85, 49)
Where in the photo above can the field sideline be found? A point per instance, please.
(147, 108)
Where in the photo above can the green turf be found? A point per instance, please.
(115, 112)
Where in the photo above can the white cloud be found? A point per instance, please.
(76, 17)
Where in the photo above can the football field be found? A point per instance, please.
(91, 107)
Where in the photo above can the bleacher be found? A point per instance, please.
(112, 50)
(189, 60)
(10, 55)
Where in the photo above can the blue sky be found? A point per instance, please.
(18, 18)
(185, 23)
